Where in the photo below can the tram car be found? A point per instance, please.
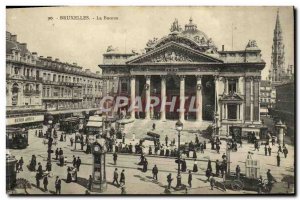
(16, 138)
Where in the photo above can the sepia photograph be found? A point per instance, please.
(150, 100)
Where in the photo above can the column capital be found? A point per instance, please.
(132, 76)
(249, 78)
(257, 78)
(163, 77)
(148, 77)
(182, 77)
(199, 77)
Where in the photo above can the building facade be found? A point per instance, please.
(267, 96)
(186, 64)
(285, 106)
(36, 86)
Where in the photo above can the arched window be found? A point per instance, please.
(15, 94)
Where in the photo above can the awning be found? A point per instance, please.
(94, 124)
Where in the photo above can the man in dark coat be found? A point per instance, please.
(56, 154)
(169, 179)
(45, 183)
(115, 157)
(238, 171)
(21, 162)
(183, 166)
(116, 175)
(278, 160)
(130, 148)
(218, 148)
(270, 150)
(155, 172)
(61, 152)
(190, 178)
(145, 165)
(285, 152)
(266, 150)
(166, 140)
(78, 163)
(217, 167)
(37, 178)
(40, 169)
(57, 185)
(74, 161)
(122, 178)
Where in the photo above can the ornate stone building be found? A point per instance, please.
(186, 63)
(37, 85)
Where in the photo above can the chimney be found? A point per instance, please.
(56, 60)
(97, 72)
(34, 54)
(13, 38)
(41, 57)
(49, 57)
(75, 64)
(223, 47)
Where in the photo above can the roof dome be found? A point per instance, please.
(194, 34)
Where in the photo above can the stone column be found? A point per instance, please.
(163, 98)
(132, 96)
(148, 89)
(226, 85)
(182, 98)
(199, 99)
(217, 110)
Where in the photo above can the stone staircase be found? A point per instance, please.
(141, 126)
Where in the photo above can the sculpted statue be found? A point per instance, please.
(175, 26)
(251, 43)
(151, 42)
(110, 48)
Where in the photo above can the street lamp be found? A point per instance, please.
(179, 127)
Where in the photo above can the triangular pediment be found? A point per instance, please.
(174, 53)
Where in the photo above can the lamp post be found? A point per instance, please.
(179, 127)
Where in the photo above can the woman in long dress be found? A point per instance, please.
(195, 168)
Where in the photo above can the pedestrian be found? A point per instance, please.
(40, 169)
(61, 152)
(266, 150)
(71, 141)
(260, 185)
(65, 137)
(21, 162)
(208, 173)
(116, 176)
(69, 176)
(37, 178)
(90, 182)
(209, 165)
(145, 165)
(57, 185)
(197, 139)
(169, 179)
(122, 178)
(278, 160)
(155, 172)
(217, 168)
(195, 167)
(190, 178)
(194, 154)
(74, 161)
(218, 148)
(115, 157)
(56, 154)
(279, 149)
(212, 183)
(45, 183)
(285, 152)
(153, 126)
(48, 166)
(204, 144)
(237, 172)
(17, 166)
(78, 163)
(183, 165)
(81, 144)
(273, 141)
(270, 180)
(150, 150)
(166, 140)
(123, 138)
(224, 156)
(270, 150)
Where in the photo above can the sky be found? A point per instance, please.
(84, 41)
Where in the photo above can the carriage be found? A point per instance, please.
(16, 138)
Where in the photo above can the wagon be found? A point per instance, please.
(243, 183)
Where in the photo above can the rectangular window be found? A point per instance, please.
(232, 86)
(232, 111)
